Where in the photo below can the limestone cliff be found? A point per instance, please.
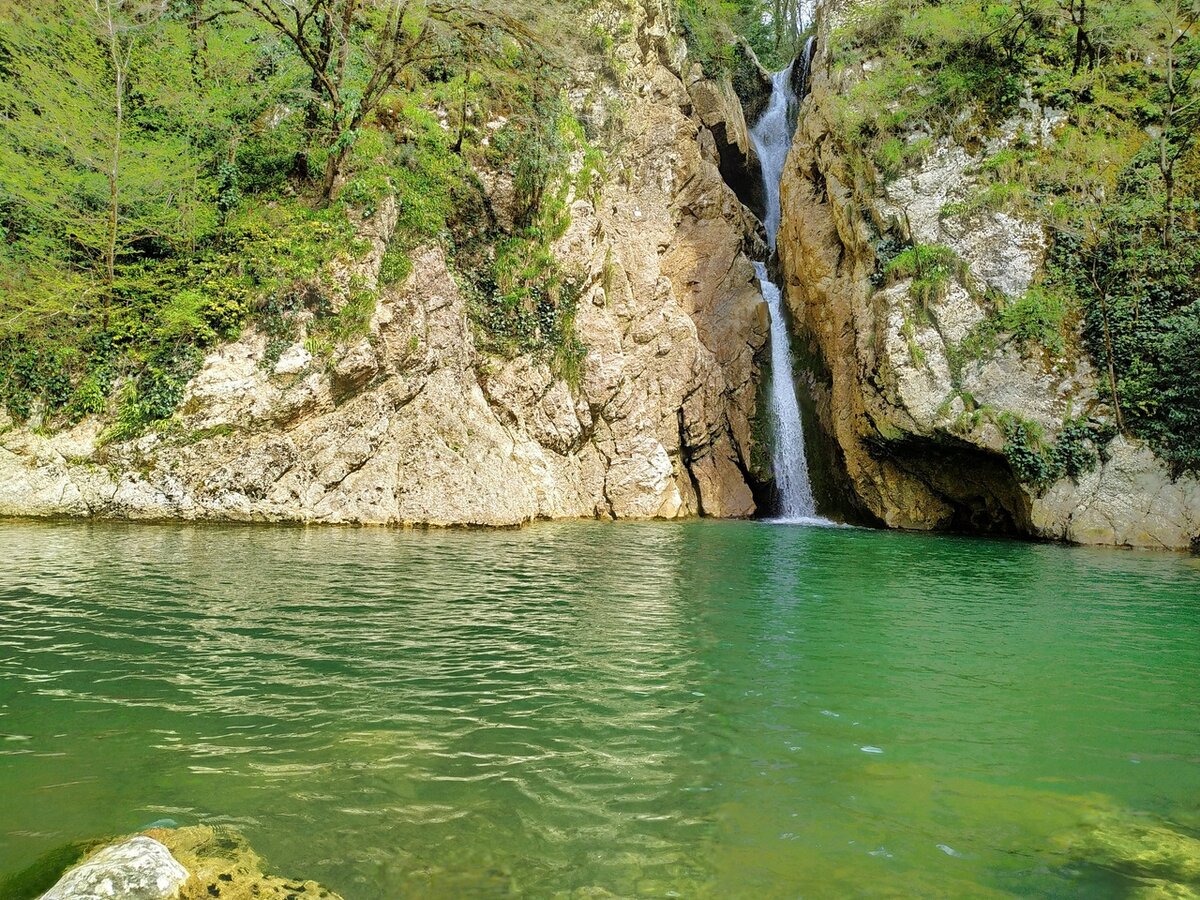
(414, 424)
(917, 408)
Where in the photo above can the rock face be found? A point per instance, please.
(916, 416)
(413, 424)
(136, 869)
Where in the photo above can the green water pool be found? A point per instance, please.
(595, 710)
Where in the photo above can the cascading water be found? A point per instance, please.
(772, 138)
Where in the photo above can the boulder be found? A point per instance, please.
(139, 868)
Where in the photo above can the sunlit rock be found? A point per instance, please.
(140, 868)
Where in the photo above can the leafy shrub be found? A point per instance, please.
(895, 154)
(1077, 451)
(931, 268)
(154, 394)
(1144, 321)
(1025, 451)
(522, 300)
(1037, 317)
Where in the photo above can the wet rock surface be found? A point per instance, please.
(139, 868)
(223, 865)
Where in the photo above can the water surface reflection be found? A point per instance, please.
(705, 709)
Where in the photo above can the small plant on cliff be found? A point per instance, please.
(522, 298)
(1077, 450)
(1025, 450)
(930, 266)
(1038, 316)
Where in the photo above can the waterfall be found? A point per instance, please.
(772, 138)
(808, 9)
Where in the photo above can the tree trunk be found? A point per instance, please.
(1108, 344)
(1168, 173)
(120, 62)
(199, 46)
(1112, 369)
(312, 110)
(462, 118)
(1081, 38)
(333, 169)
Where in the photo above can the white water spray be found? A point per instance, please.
(772, 138)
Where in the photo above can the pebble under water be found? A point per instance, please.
(651, 710)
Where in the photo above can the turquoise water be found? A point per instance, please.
(697, 710)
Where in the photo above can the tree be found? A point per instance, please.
(357, 51)
(1181, 96)
(1077, 12)
(82, 180)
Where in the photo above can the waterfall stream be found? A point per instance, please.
(772, 138)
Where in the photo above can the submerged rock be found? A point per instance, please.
(1155, 889)
(224, 865)
(139, 868)
(1168, 861)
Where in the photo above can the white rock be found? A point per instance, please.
(294, 359)
(137, 869)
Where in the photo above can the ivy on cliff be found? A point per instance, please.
(1116, 180)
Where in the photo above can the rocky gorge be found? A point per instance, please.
(415, 424)
(914, 409)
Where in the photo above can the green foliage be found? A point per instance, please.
(351, 321)
(396, 265)
(708, 27)
(1037, 317)
(893, 155)
(931, 268)
(268, 263)
(523, 301)
(712, 27)
(426, 176)
(1142, 316)
(941, 58)
(1076, 452)
(1025, 451)
(1080, 447)
(219, 218)
(154, 393)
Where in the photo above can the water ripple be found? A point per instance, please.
(708, 710)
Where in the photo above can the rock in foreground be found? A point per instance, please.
(195, 863)
(139, 868)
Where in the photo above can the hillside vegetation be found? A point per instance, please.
(171, 171)
(1117, 184)
(771, 27)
